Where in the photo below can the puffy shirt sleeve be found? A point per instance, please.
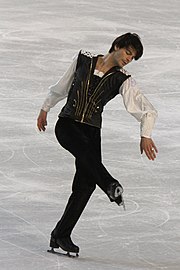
(59, 91)
(138, 106)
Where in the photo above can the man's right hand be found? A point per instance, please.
(42, 120)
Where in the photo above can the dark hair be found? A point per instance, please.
(128, 40)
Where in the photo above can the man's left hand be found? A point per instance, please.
(147, 145)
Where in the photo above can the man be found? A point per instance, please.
(90, 82)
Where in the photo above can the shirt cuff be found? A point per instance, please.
(147, 124)
(45, 108)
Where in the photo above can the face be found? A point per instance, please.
(123, 56)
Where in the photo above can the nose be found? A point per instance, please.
(129, 58)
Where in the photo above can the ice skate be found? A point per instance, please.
(66, 244)
(114, 190)
(120, 201)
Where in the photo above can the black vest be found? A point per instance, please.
(89, 93)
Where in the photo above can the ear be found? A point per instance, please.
(116, 48)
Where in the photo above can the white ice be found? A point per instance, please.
(38, 40)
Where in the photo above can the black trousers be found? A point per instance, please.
(84, 143)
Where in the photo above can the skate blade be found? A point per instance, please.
(124, 206)
(62, 254)
(123, 203)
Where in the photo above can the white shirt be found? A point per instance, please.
(134, 101)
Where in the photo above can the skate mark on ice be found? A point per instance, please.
(3, 174)
(97, 261)
(103, 217)
(148, 168)
(13, 187)
(16, 88)
(9, 33)
(167, 218)
(136, 210)
(166, 244)
(11, 195)
(37, 165)
(27, 250)
(41, 63)
(11, 154)
(25, 221)
(14, 180)
(119, 161)
(26, 155)
(45, 137)
(164, 212)
(154, 265)
(141, 187)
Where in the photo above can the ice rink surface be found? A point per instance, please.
(38, 41)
